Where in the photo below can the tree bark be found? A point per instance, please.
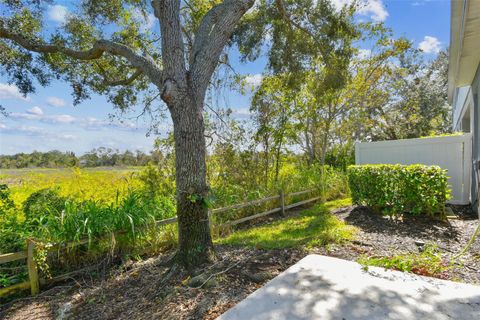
(195, 241)
(267, 157)
(324, 148)
(277, 161)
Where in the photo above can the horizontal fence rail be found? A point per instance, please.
(258, 215)
(33, 283)
(10, 257)
(243, 205)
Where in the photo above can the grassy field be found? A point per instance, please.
(104, 184)
(66, 205)
(56, 205)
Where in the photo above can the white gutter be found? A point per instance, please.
(452, 82)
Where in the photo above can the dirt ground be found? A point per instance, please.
(151, 289)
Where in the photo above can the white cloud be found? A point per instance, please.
(241, 113)
(420, 3)
(430, 45)
(55, 102)
(58, 13)
(254, 80)
(92, 123)
(67, 136)
(364, 53)
(35, 111)
(147, 22)
(28, 130)
(89, 123)
(10, 91)
(61, 118)
(25, 116)
(32, 131)
(28, 135)
(375, 9)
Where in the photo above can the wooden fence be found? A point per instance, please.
(33, 283)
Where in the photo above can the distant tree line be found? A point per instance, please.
(98, 157)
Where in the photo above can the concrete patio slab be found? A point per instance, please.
(320, 287)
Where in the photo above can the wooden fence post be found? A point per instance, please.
(282, 202)
(32, 268)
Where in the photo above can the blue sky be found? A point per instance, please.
(48, 120)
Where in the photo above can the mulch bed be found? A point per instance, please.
(152, 289)
(382, 236)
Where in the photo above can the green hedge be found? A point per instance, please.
(398, 189)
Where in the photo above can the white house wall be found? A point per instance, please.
(463, 98)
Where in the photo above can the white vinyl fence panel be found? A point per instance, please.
(450, 152)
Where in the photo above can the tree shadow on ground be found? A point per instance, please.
(306, 294)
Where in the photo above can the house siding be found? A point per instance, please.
(476, 138)
(460, 106)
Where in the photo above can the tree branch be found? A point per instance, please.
(142, 62)
(291, 22)
(173, 59)
(288, 18)
(125, 81)
(215, 30)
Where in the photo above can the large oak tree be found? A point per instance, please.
(121, 56)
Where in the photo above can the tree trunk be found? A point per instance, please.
(195, 241)
(309, 146)
(325, 137)
(323, 150)
(277, 162)
(267, 158)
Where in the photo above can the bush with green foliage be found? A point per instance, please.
(42, 203)
(6, 203)
(340, 156)
(397, 189)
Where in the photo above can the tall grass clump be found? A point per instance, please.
(84, 204)
(59, 220)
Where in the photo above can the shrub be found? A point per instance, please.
(340, 156)
(397, 189)
(44, 202)
(6, 203)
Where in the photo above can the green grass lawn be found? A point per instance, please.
(429, 262)
(313, 227)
